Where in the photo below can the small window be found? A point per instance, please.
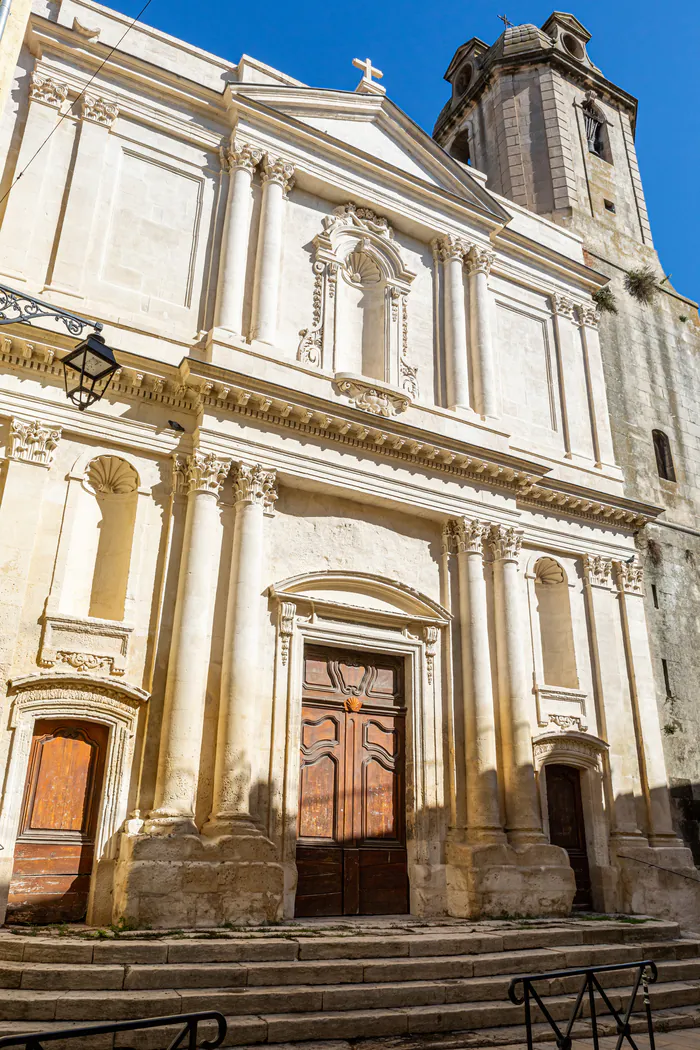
(664, 459)
(667, 680)
(610, 206)
(461, 149)
(655, 596)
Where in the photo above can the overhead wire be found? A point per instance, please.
(63, 116)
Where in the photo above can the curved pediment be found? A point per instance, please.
(353, 591)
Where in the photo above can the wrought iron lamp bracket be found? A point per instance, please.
(18, 308)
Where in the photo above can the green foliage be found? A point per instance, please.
(641, 284)
(683, 318)
(605, 300)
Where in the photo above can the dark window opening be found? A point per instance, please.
(461, 149)
(596, 134)
(664, 459)
(667, 680)
(655, 596)
(610, 206)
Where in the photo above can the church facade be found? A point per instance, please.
(332, 604)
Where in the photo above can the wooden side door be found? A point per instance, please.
(351, 847)
(567, 828)
(55, 849)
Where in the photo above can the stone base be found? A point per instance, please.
(661, 881)
(498, 881)
(193, 881)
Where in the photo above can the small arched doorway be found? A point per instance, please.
(567, 826)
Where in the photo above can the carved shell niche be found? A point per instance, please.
(110, 475)
(549, 572)
(361, 269)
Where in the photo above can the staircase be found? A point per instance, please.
(385, 981)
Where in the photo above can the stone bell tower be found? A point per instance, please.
(540, 119)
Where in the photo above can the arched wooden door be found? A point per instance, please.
(351, 846)
(55, 848)
(566, 826)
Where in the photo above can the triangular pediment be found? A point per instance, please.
(375, 127)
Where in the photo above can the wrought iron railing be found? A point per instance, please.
(646, 974)
(186, 1038)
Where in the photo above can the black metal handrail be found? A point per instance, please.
(189, 1022)
(646, 975)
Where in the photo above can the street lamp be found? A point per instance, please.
(88, 369)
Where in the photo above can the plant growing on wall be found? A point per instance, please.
(641, 284)
(605, 300)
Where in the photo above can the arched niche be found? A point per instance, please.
(81, 697)
(360, 311)
(556, 633)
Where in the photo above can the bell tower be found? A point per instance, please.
(551, 132)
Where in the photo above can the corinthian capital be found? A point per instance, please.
(206, 472)
(448, 247)
(597, 570)
(32, 442)
(255, 485)
(588, 314)
(506, 542)
(279, 170)
(47, 90)
(99, 111)
(480, 259)
(472, 536)
(241, 155)
(562, 305)
(630, 576)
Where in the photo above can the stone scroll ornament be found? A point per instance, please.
(359, 245)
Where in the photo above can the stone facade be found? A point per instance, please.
(391, 436)
(519, 108)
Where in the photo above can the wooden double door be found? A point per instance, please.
(351, 846)
(567, 828)
(55, 848)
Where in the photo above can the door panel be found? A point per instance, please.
(55, 847)
(566, 826)
(352, 717)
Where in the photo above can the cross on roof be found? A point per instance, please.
(506, 22)
(368, 70)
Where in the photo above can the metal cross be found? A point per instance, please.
(368, 70)
(506, 22)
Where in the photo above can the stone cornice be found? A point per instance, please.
(197, 386)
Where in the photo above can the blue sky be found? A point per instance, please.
(653, 57)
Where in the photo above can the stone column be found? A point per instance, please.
(31, 451)
(242, 160)
(483, 809)
(598, 399)
(630, 583)
(452, 250)
(523, 819)
(25, 205)
(188, 667)
(613, 701)
(562, 318)
(479, 262)
(97, 117)
(254, 491)
(277, 179)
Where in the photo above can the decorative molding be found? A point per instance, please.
(254, 484)
(471, 535)
(179, 475)
(557, 702)
(506, 542)
(597, 571)
(371, 396)
(549, 572)
(479, 259)
(99, 111)
(47, 90)
(447, 246)
(408, 374)
(431, 634)
(562, 305)
(279, 171)
(588, 314)
(630, 576)
(567, 722)
(206, 472)
(238, 154)
(111, 476)
(32, 442)
(85, 31)
(85, 644)
(286, 615)
(569, 747)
